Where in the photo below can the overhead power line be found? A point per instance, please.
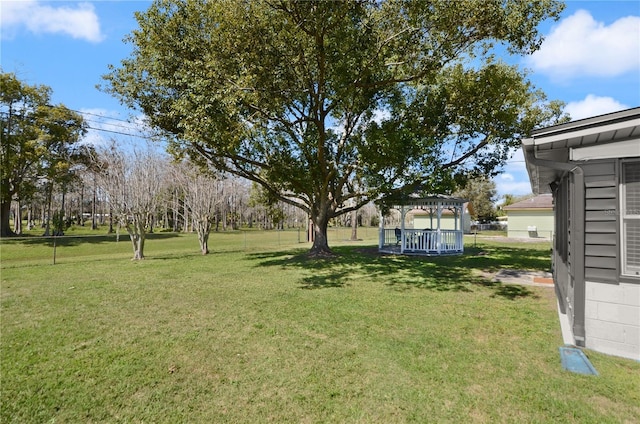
(113, 125)
(100, 116)
(145, 137)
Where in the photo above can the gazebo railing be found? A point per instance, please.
(390, 237)
(425, 241)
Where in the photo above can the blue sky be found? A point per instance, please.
(590, 60)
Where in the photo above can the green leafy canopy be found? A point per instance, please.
(39, 142)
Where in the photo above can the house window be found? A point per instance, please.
(630, 214)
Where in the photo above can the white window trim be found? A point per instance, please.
(624, 217)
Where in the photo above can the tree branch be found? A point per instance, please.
(468, 154)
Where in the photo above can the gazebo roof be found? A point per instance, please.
(432, 201)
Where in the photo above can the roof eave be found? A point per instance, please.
(553, 144)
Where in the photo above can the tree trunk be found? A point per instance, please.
(175, 211)
(5, 214)
(102, 214)
(204, 244)
(203, 237)
(110, 220)
(320, 247)
(354, 225)
(62, 219)
(47, 231)
(185, 216)
(137, 243)
(30, 217)
(17, 219)
(81, 217)
(137, 236)
(94, 209)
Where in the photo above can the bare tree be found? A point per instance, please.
(200, 194)
(133, 183)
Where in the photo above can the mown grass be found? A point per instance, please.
(267, 335)
(84, 244)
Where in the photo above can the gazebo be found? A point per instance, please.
(430, 241)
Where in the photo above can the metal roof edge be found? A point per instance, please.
(594, 121)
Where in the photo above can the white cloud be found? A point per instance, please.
(580, 45)
(79, 22)
(516, 188)
(506, 177)
(593, 106)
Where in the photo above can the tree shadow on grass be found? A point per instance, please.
(325, 273)
(513, 291)
(507, 291)
(450, 273)
(78, 240)
(324, 281)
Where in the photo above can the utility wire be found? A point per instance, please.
(100, 116)
(95, 125)
(145, 137)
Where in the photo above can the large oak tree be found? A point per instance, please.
(331, 104)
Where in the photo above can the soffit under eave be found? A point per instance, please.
(541, 177)
(613, 132)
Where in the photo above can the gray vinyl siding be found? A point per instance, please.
(600, 215)
(599, 250)
(601, 221)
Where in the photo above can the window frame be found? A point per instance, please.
(626, 272)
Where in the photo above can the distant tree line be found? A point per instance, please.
(52, 180)
(84, 201)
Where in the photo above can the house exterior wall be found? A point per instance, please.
(585, 164)
(519, 222)
(611, 306)
(612, 318)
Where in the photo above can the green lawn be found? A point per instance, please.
(256, 332)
